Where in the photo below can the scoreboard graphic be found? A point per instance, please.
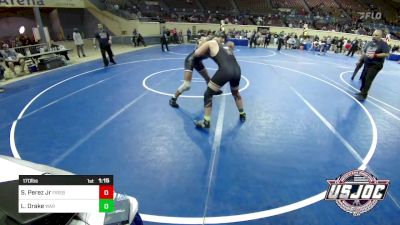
(65, 193)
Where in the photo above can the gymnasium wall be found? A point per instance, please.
(9, 26)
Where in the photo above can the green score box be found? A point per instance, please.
(106, 205)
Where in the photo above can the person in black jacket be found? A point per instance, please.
(280, 42)
(340, 44)
(134, 37)
(140, 40)
(164, 41)
(2, 70)
(253, 39)
(267, 39)
(353, 48)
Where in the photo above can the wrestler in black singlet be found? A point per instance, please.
(228, 69)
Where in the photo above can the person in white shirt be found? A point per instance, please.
(78, 42)
(291, 42)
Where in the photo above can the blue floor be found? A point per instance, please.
(303, 128)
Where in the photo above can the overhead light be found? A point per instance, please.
(21, 30)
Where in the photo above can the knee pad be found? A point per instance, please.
(185, 86)
(208, 94)
(189, 62)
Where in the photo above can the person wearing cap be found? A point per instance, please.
(104, 39)
(12, 59)
(78, 42)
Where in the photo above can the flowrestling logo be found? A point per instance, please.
(372, 15)
(356, 191)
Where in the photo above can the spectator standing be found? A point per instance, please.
(164, 41)
(353, 48)
(78, 42)
(253, 39)
(134, 37)
(340, 44)
(267, 39)
(2, 70)
(189, 34)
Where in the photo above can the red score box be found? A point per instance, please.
(106, 191)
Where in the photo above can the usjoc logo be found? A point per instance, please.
(356, 191)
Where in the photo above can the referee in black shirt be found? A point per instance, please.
(375, 53)
(104, 39)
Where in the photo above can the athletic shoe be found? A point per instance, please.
(172, 103)
(202, 123)
(359, 93)
(360, 97)
(242, 117)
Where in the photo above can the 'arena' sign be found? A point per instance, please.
(43, 3)
(21, 2)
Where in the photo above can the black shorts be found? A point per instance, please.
(224, 75)
(193, 62)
